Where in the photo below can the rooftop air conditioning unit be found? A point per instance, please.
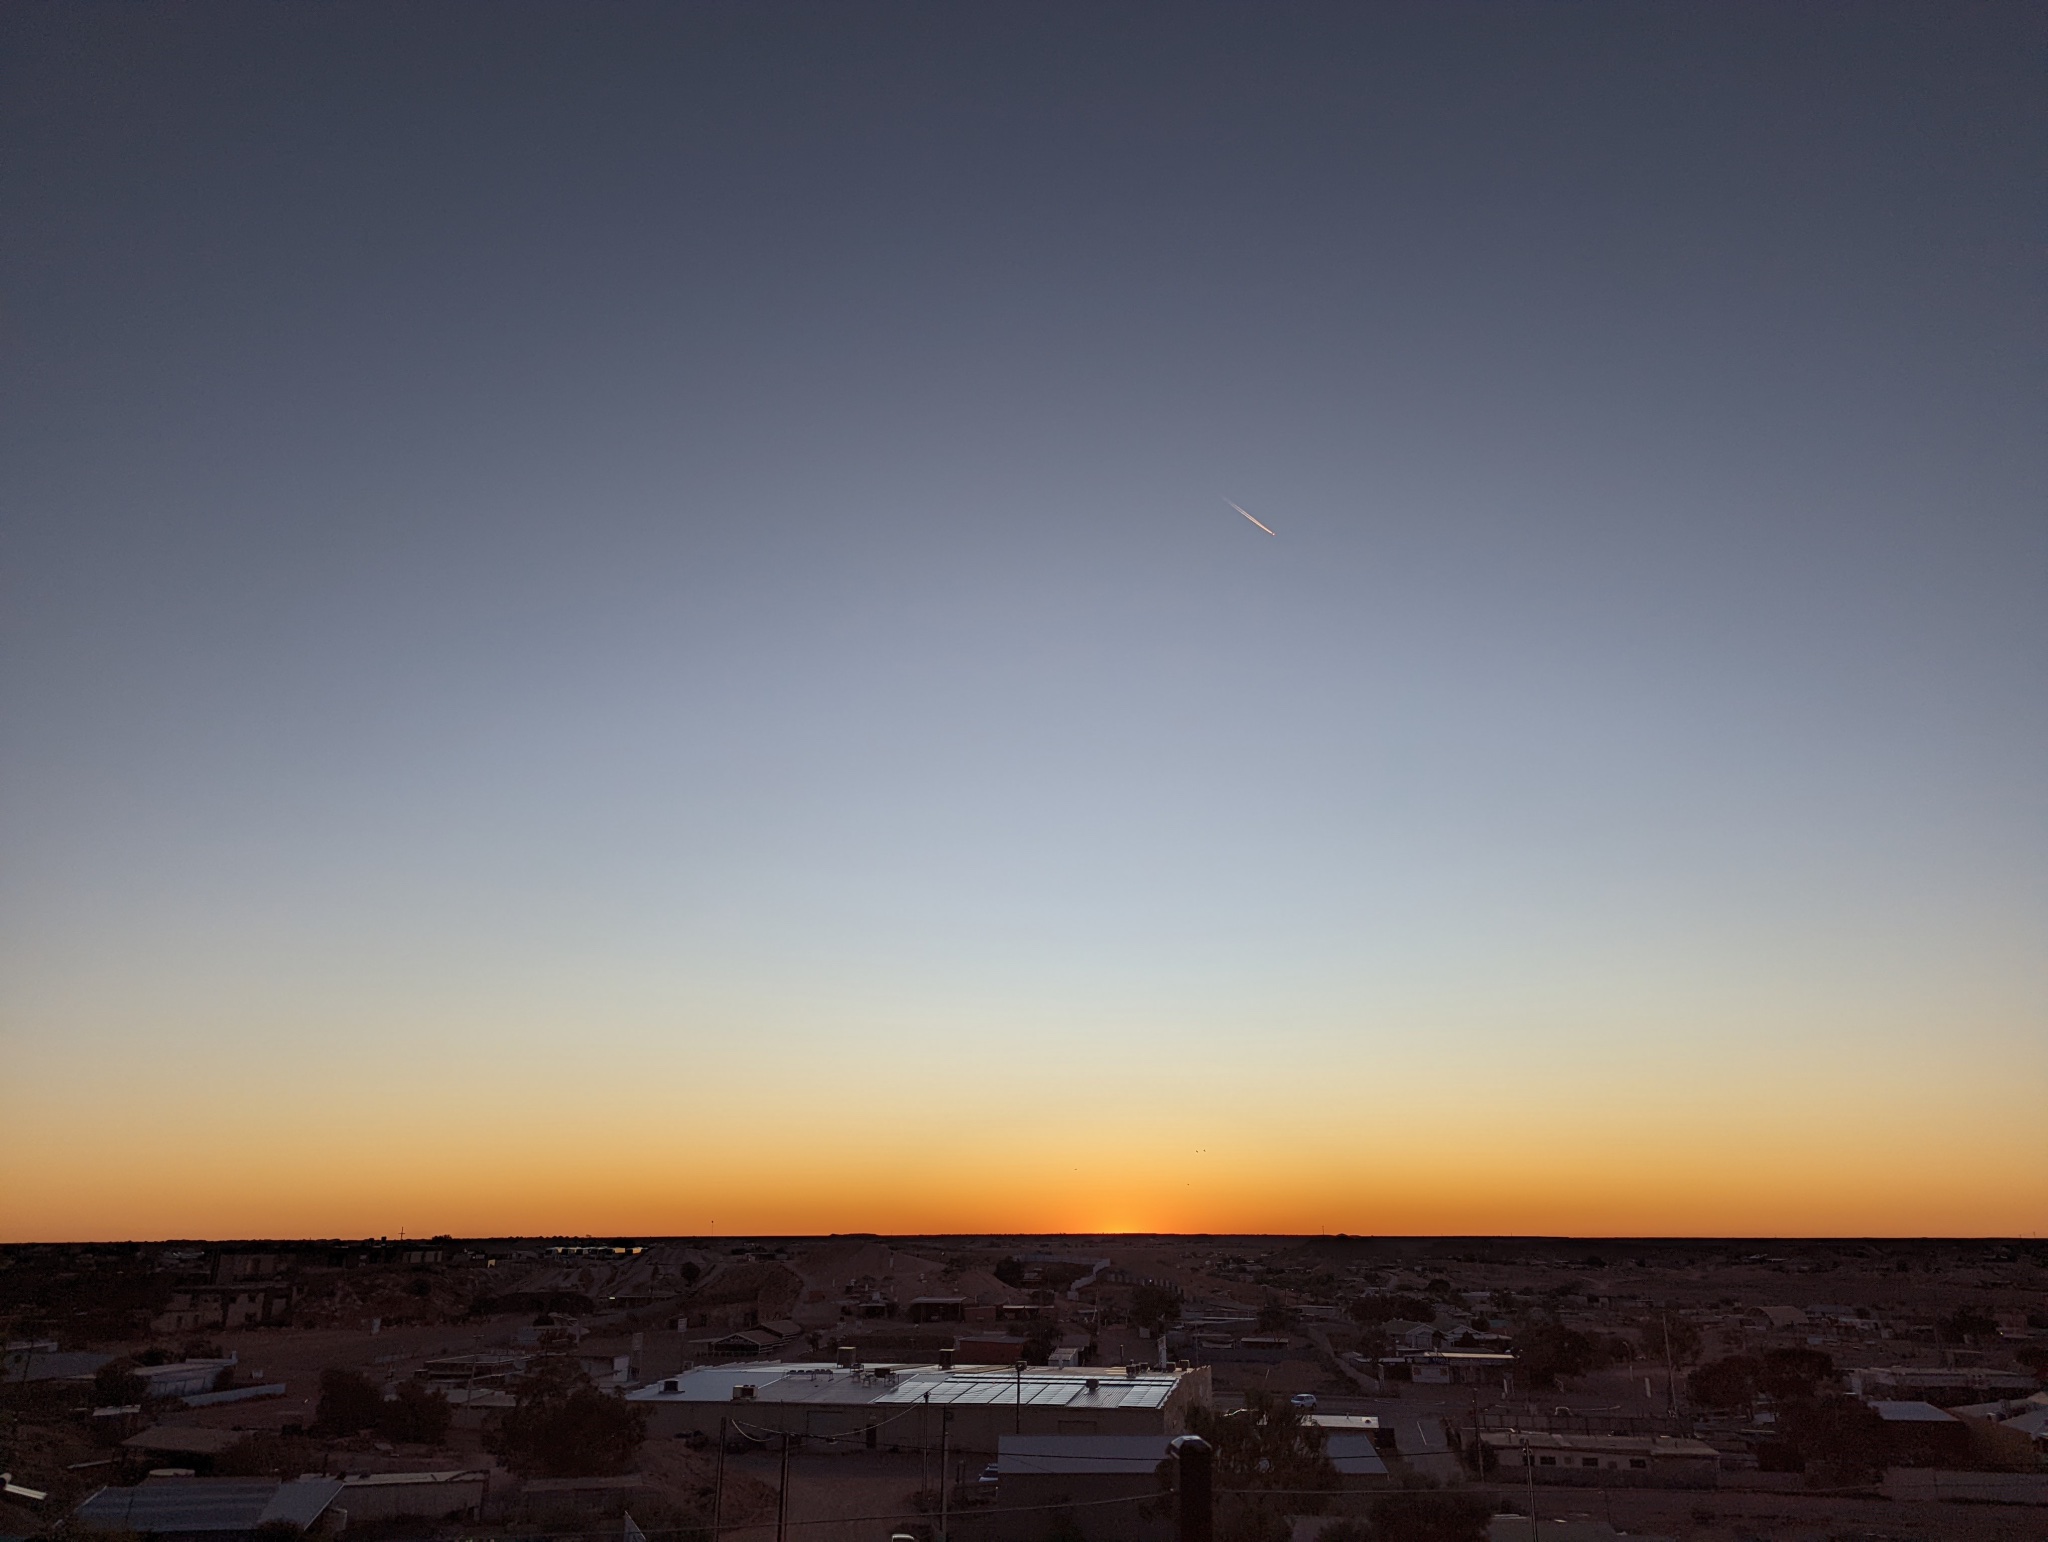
(743, 1392)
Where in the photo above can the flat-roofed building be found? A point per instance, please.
(1944, 1386)
(195, 1445)
(905, 1405)
(1460, 1366)
(382, 1496)
(1112, 1483)
(988, 1349)
(1621, 1461)
(1917, 1434)
(1352, 1443)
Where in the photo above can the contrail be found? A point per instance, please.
(1247, 515)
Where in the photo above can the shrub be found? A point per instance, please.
(1728, 1383)
(1547, 1350)
(115, 1385)
(563, 1427)
(1792, 1374)
(349, 1402)
(1421, 1516)
(419, 1415)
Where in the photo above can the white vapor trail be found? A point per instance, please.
(1248, 515)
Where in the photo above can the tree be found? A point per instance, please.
(1258, 1521)
(1264, 1444)
(560, 1426)
(1546, 1350)
(1276, 1316)
(1261, 1447)
(1430, 1516)
(1040, 1340)
(1840, 1439)
(419, 1415)
(261, 1454)
(349, 1402)
(1968, 1325)
(1665, 1334)
(1727, 1383)
(115, 1385)
(1790, 1375)
(1154, 1306)
(1349, 1529)
(1369, 1311)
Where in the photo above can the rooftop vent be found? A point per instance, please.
(743, 1392)
(671, 1385)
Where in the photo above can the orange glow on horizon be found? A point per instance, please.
(625, 1192)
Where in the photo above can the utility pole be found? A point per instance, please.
(1020, 1397)
(718, 1484)
(945, 1490)
(782, 1495)
(1670, 1371)
(1529, 1466)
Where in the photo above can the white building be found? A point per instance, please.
(913, 1406)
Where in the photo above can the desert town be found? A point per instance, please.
(1011, 1389)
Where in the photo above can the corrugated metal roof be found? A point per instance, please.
(1911, 1412)
(1039, 1387)
(185, 1440)
(896, 1384)
(2033, 1423)
(53, 1365)
(207, 1504)
(301, 1501)
(1354, 1455)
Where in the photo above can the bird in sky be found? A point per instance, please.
(1248, 515)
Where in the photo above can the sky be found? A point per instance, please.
(628, 619)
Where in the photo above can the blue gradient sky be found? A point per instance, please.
(629, 601)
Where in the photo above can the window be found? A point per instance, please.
(1547, 1461)
(1591, 1461)
(1637, 1461)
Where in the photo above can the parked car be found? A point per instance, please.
(1305, 1401)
